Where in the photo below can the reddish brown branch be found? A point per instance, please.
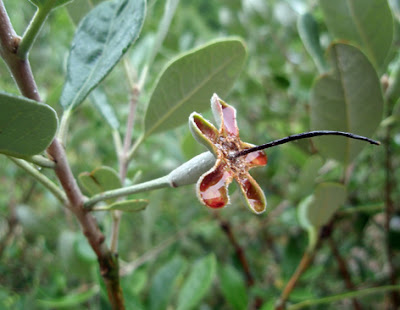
(344, 271)
(12, 222)
(301, 268)
(389, 211)
(240, 253)
(21, 72)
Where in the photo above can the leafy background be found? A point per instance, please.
(48, 264)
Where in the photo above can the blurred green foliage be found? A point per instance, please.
(46, 258)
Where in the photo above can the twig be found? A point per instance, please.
(33, 29)
(240, 253)
(391, 96)
(22, 73)
(301, 268)
(389, 211)
(343, 270)
(330, 299)
(12, 222)
(123, 156)
(53, 188)
(304, 135)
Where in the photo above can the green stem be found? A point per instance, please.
(41, 161)
(134, 189)
(33, 29)
(64, 124)
(57, 192)
(135, 146)
(329, 299)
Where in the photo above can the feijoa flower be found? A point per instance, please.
(212, 186)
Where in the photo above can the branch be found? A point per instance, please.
(330, 299)
(45, 181)
(344, 271)
(33, 29)
(22, 73)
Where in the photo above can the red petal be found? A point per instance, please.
(225, 114)
(206, 128)
(229, 119)
(253, 193)
(256, 159)
(212, 187)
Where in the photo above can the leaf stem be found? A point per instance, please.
(135, 146)
(33, 29)
(134, 189)
(304, 135)
(330, 299)
(64, 124)
(54, 189)
(41, 161)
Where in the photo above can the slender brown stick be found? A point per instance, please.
(12, 222)
(227, 229)
(301, 268)
(344, 271)
(304, 135)
(21, 72)
(389, 211)
(240, 253)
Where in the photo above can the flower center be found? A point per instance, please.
(227, 146)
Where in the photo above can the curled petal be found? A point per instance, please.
(253, 194)
(203, 131)
(212, 186)
(225, 115)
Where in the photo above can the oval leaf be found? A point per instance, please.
(133, 205)
(188, 82)
(198, 283)
(100, 180)
(318, 209)
(356, 20)
(347, 99)
(163, 283)
(27, 127)
(309, 34)
(306, 179)
(233, 288)
(101, 39)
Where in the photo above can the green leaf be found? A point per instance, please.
(188, 82)
(233, 288)
(163, 27)
(51, 3)
(27, 127)
(101, 39)
(309, 34)
(100, 180)
(318, 209)
(347, 99)
(78, 9)
(133, 205)
(100, 101)
(70, 300)
(198, 283)
(356, 21)
(306, 180)
(163, 283)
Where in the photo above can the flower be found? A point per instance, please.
(224, 144)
